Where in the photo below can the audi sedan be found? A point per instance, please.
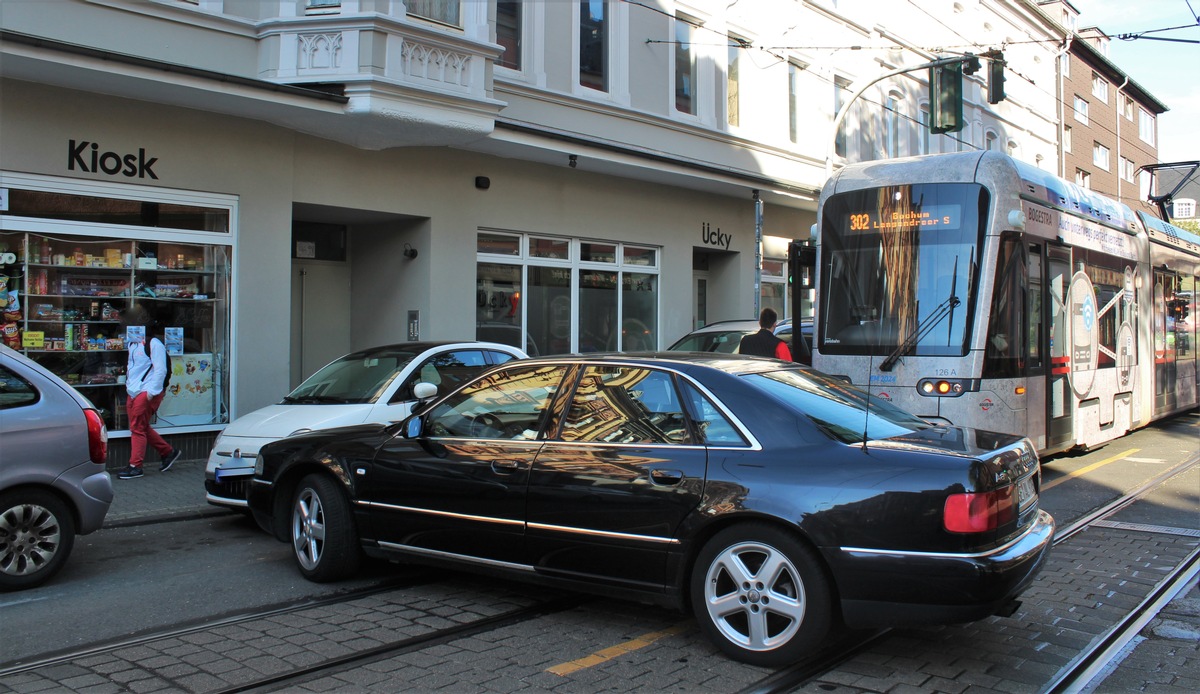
(772, 501)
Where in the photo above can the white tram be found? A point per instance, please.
(977, 290)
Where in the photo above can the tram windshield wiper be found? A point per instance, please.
(946, 308)
(939, 314)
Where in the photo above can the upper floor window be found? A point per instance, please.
(685, 66)
(1083, 178)
(1066, 138)
(1146, 126)
(1099, 87)
(593, 44)
(1081, 110)
(732, 81)
(1065, 63)
(891, 126)
(923, 128)
(1183, 208)
(508, 33)
(444, 11)
(841, 92)
(1128, 169)
(990, 140)
(1127, 107)
(322, 6)
(1100, 155)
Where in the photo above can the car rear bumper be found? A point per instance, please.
(881, 587)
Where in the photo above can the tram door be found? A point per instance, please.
(1060, 399)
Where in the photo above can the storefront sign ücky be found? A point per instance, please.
(714, 237)
(86, 157)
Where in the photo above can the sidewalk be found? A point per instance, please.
(174, 494)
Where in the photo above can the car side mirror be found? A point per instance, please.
(424, 391)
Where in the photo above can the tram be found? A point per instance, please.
(976, 290)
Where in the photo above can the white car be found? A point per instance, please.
(372, 385)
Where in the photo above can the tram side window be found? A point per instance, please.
(1007, 342)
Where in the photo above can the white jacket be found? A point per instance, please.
(144, 373)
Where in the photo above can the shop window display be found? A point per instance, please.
(63, 296)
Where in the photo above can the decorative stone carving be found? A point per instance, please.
(435, 64)
(320, 51)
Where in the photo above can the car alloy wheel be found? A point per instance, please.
(323, 532)
(761, 595)
(36, 536)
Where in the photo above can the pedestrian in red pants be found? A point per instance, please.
(145, 382)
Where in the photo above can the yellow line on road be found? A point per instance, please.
(615, 651)
(1089, 468)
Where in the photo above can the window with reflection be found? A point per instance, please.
(593, 44)
(444, 11)
(624, 404)
(713, 427)
(506, 404)
(508, 33)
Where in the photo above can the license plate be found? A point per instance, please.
(1026, 493)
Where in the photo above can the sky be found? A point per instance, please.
(1169, 70)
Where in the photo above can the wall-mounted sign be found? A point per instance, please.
(86, 156)
(714, 237)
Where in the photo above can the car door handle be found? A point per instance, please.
(505, 467)
(666, 477)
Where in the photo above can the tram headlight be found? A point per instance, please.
(942, 387)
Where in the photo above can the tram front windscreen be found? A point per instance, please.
(900, 269)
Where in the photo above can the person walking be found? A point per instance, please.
(764, 343)
(145, 384)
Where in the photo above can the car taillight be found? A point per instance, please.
(97, 437)
(978, 512)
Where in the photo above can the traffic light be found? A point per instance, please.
(946, 98)
(995, 77)
(971, 65)
(802, 262)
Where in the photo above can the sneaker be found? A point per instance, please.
(130, 472)
(170, 459)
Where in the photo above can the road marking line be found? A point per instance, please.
(1158, 461)
(1089, 468)
(615, 651)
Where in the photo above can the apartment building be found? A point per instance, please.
(292, 180)
(1109, 123)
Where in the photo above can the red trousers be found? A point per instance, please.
(140, 409)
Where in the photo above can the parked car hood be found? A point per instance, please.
(277, 421)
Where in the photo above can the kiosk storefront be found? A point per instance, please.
(76, 255)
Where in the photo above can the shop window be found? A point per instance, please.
(65, 297)
(597, 297)
(555, 249)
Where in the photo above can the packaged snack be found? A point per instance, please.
(11, 335)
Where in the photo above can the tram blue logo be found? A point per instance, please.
(1088, 310)
(883, 378)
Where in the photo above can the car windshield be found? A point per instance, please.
(353, 379)
(838, 407)
(725, 341)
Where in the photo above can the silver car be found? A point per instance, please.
(53, 482)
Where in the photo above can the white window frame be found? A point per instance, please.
(618, 54)
(1099, 87)
(1101, 156)
(1083, 178)
(1183, 208)
(1081, 109)
(1127, 107)
(1066, 138)
(1146, 126)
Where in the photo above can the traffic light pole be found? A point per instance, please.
(837, 122)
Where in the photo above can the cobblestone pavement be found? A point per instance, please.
(1090, 582)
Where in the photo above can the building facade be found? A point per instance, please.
(283, 182)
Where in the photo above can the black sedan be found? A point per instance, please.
(766, 496)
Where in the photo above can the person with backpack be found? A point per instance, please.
(146, 375)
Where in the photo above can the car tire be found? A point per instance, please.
(37, 533)
(766, 620)
(324, 538)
